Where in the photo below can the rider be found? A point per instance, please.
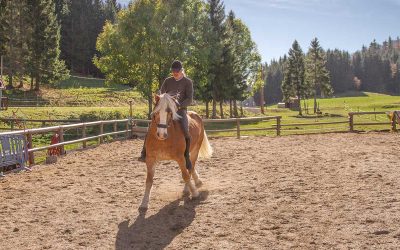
(182, 87)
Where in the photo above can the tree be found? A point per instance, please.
(138, 49)
(44, 58)
(216, 10)
(4, 21)
(340, 70)
(294, 83)
(82, 22)
(242, 63)
(317, 75)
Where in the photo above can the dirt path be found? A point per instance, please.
(308, 192)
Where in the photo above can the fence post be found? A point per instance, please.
(394, 129)
(127, 130)
(61, 134)
(278, 126)
(130, 109)
(115, 129)
(238, 128)
(84, 134)
(31, 156)
(351, 122)
(101, 132)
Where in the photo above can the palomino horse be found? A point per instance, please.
(165, 141)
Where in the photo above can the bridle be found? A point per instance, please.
(169, 117)
(169, 120)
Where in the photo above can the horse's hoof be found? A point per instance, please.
(199, 183)
(195, 195)
(142, 209)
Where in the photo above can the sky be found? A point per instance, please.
(341, 24)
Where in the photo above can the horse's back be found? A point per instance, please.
(194, 116)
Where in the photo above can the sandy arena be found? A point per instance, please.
(306, 192)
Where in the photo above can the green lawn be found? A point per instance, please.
(77, 91)
(333, 110)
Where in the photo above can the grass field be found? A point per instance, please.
(111, 102)
(77, 91)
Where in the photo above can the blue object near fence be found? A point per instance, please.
(13, 151)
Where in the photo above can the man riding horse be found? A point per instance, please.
(182, 87)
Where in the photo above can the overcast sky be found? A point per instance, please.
(343, 24)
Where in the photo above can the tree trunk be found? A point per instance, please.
(241, 109)
(235, 109)
(315, 101)
(21, 82)
(230, 109)
(214, 109)
(221, 110)
(262, 100)
(300, 112)
(37, 83)
(150, 103)
(207, 109)
(10, 80)
(32, 79)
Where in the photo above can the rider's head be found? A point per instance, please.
(177, 69)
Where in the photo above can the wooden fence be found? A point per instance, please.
(62, 128)
(14, 121)
(131, 127)
(352, 124)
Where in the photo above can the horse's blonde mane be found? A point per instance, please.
(167, 101)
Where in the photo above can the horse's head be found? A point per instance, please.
(164, 112)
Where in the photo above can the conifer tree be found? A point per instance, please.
(46, 66)
(317, 76)
(217, 17)
(294, 84)
(4, 26)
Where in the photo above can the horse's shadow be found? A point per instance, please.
(158, 230)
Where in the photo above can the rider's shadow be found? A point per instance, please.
(158, 230)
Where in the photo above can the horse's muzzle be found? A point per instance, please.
(162, 136)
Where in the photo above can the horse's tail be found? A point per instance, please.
(206, 150)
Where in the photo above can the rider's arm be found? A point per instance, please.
(189, 95)
(163, 87)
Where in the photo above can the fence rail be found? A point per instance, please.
(130, 128)
(352, 124)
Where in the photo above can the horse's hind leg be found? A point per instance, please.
(149, 183)
(194, 173)
(186, 178)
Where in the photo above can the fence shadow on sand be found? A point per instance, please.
(158, 230)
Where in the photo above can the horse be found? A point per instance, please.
(165, 141)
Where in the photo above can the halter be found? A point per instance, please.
(165, 125)
(162, 126)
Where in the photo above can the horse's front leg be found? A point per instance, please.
(189, 186)
(151, 167)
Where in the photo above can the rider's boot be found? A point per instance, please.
(187, 154)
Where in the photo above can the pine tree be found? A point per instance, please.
(46, 67)
(294, 83)
(217, 17)
(241, 62)
(340, 70)
(317, 76)
(14, 35)
(4, 21)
